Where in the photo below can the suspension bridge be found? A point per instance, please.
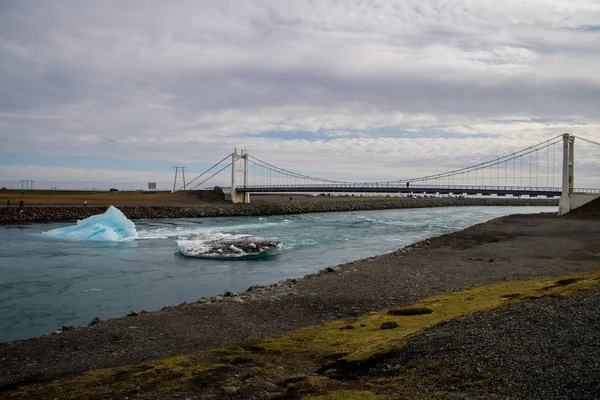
(545, 169)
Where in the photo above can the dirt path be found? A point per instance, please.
(509, 248)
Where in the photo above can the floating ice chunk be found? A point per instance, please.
(111, 226)
(236, 249)
(228, 246)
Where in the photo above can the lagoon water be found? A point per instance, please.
(47, 283)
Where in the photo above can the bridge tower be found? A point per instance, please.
(569, 199)
(564, 205)
(241, 197)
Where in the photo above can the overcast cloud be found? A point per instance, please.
(122, 91)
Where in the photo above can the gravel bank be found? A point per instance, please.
(11, 215)
(540, 349)
(509, 248)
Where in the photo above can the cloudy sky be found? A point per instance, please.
(96, 93)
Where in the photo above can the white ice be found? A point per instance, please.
(222, 245)
(111, 226)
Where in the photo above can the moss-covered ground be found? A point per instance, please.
(303, 364)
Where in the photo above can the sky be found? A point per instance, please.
(114, 94)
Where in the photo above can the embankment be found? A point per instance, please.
(11, 215)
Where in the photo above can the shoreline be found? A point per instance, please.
(507, 248)
(41, 214)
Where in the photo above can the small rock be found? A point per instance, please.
(389, 325)
(268, 386)
(94, 321)
(330, 371)
(363, 323)
(230, 389)
(134, 313)
(227, 294)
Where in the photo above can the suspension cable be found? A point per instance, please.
(587, 140)
(490, 163)
(227, 166)
(273, 170)
(205, 172)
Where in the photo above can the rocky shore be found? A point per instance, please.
(505, 249)
(12, 215)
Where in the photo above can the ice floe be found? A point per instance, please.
(221, 245)
(111, 226)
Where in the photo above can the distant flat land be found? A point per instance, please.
(94, 198)
(134, 197)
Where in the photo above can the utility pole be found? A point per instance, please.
(177, 168)
(27, 184)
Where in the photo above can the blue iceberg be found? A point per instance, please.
(112, 226)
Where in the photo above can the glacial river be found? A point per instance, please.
(46, 283)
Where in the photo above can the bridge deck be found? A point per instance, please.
(473, 190)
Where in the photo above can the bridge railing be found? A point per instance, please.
(586, 190)
(410, 187)
(413, 188)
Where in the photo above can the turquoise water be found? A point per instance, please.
(47, 283)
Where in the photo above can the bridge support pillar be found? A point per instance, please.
(564, 205)
(569, 200)
(235, 196)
